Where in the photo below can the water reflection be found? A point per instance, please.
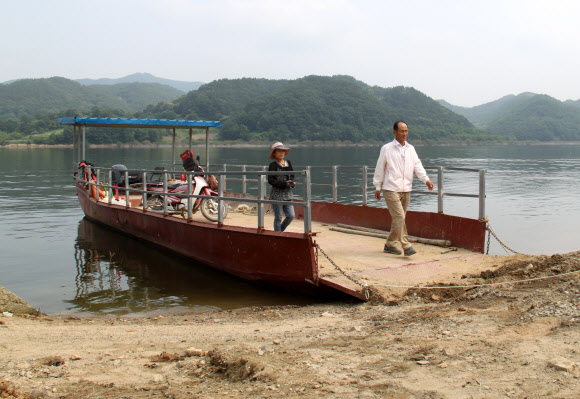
(117, 274)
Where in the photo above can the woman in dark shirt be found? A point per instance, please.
(281, 186)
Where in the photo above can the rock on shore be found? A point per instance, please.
(13, 304)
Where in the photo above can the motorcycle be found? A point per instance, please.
(177, 202)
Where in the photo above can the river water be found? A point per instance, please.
(61, 263)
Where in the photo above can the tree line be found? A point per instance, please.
(313, 108)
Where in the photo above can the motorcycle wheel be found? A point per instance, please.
(209, 209)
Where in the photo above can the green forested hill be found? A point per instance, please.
(429, 119)
(527, 116)
(315, 108)
(483, 114)
(540, 118)
(337, 108)
(52, 95)
(216, 100)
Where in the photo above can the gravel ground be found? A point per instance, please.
(515, 339)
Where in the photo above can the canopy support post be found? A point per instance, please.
(207, 149)
(75, 163)
(190, 136)
(83, 144)
(173, 153)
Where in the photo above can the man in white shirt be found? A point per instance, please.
(397, 162)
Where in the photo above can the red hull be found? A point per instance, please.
(240, 251)
(283, 259)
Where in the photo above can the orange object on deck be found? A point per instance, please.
(94, 192)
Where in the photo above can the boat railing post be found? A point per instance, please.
(261, 191)
(110, 187)
(126, 187)
(165, 193)
(482, 194)
(335, 184)
(244, 180)
(365, 172)
(189, 199)
(90, 182)
(97, 176)
(307, 201)
(221, 183)
(224, 168)
(127, 190)
(144, 180)
(440, 170)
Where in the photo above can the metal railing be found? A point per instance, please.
(366, 185)
(257, 179)
(261, 177)
(441, 193)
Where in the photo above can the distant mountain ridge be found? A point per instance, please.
(143, 78)
(527, 116)
(42, 96)
(481, 115)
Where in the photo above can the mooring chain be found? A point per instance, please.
(505, 247)
(366, 289)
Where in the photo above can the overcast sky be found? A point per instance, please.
(466, 52)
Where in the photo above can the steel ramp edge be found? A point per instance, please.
(342, 288)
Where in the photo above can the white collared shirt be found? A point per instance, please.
(395, 168)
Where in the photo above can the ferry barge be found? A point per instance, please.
(241, 245)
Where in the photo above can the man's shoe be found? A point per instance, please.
(392, 250)
(410, 251)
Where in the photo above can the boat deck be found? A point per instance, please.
(362, 258)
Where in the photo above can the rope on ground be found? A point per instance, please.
(245, 209)
(505, 247)
(484, 284)
(366, 289)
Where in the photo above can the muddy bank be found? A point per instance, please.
(514, 333)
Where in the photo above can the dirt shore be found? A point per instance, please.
(514, 339)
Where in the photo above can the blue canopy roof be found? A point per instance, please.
(125, 122)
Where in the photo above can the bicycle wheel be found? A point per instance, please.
(155, 203)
